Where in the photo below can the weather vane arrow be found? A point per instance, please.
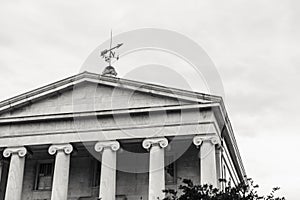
(109, 55)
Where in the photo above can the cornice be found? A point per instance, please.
(103, 113)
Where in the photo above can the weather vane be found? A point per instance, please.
(109, 55)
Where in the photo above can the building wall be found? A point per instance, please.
(29, 181)
(91, 97)
(122, 114)
(230, 173)
(125, 121)
(188, 166)
(132, 185)
(79, 182)
(135, 185)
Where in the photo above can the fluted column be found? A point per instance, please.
(156, 166)
(61, 170)
(208, 159)
(107, 190)
(15, 173)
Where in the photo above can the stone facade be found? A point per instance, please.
(90, 136)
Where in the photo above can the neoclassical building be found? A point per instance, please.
(91, 136)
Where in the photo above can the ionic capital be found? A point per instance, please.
(21, 151)
(114, 145)
(199, 139)
(67, 148)
(162, 142)
(215, 140)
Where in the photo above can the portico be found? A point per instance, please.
(108, 149)
(57, 134)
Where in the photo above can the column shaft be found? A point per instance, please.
(107, 190)
(219, 166)
(156, 166)
(15, 178)
(108, 175)
(208, 159)
(61, 170)
(16, 172)
(1, 169)
(208, 170)
(156, 173)
(61, 176)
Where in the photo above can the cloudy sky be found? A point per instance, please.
(253, 44)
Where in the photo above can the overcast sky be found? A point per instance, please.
(254, 45)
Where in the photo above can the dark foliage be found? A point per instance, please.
(243, 191)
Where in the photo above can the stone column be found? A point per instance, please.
(61, 170)
(16, 172)
(1, 168)
(156, 166)
(208, 159)
(107, 190)
(219, 151)
(1, 177)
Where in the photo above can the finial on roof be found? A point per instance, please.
(109, 55)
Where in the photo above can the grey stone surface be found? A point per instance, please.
(91, 97)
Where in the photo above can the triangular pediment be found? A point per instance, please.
(88, 92)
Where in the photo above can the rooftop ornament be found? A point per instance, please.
(109, 55)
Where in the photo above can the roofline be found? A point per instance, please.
(196, 96)
(129, 84)
(228, 126)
